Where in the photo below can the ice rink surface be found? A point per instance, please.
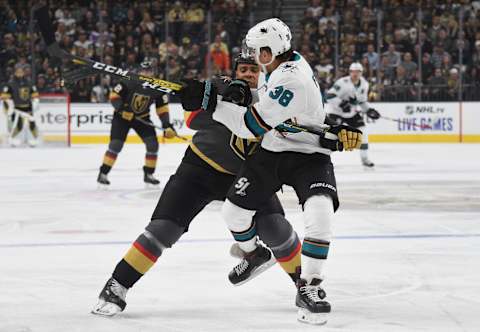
(406, 255)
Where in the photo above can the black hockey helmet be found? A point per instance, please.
(241, 58)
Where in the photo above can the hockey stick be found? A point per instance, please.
(159, 128)
(421, 126)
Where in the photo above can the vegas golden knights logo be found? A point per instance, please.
(24, 93)
(243, 147)
(139, 102)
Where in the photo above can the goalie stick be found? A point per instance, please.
(154, 84)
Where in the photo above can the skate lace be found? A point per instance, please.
(241, 267)
(118, 289)
(311, 292)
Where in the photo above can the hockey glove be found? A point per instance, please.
(345, 106)
(373, 114)
(238, 92)
(169, 131)
(349, 138)
(198, 95)
(127, 115)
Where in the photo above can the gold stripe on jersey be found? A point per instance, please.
(162, 109)
(5, 96)
(35, 95)
(208, 160)
(114, 95)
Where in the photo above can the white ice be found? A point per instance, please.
(406, 255)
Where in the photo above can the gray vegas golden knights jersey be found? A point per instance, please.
(215, 144)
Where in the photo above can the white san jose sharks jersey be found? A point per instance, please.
(289, 93)
(344, 90)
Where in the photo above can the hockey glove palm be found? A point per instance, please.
(198, 95)
(373, 114)
(238, 92)
(169, 131)
(349, 138)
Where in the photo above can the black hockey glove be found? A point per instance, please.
(345, 106)
(349, 138)
(373, 114)
(238, 92)
(198, 95)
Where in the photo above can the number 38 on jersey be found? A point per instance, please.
(284, 96)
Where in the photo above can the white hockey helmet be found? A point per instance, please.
(272, 33)
(356, 66)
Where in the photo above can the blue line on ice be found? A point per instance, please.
(341, 237)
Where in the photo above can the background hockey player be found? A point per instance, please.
(205, 174)
(22, 101)
(297, 159)
(132, 110)
(347, 102)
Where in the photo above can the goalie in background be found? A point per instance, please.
(347, 103)
(21, 99)
(132, 110)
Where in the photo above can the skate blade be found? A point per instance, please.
(106, 309)
(308, 317)
(259, 271)
(101, 186)
(151, 186)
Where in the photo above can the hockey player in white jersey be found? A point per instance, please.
(296, 159)
(347, 102)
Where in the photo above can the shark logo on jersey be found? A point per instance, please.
(288, 67)
(242, 185)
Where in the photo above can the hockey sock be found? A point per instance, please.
(150, 162)
(137, 261)
(108, 161)
(290, 258)
(314, 255)
(247, 239)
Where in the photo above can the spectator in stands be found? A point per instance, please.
(219, 57)
(315, 8)
(409, 66)
(372, 56)
(176, 19)
(194, 20)
(392, 59)
(437, 85)
(453, 84)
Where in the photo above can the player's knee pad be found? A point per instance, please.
(115, 146)
(163, 232)
(274, 230)
(151, 143)
(318, 215)
(237, 218)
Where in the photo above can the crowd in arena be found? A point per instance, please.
(402, 59)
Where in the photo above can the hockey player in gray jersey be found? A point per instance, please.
(205, 174)
(347, 102)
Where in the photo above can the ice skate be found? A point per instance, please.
(111, 300)
(367, 162)
(251, 265)
(150, 180)
(309, 300)
(102, 180)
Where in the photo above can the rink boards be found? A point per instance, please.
(422, 122)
